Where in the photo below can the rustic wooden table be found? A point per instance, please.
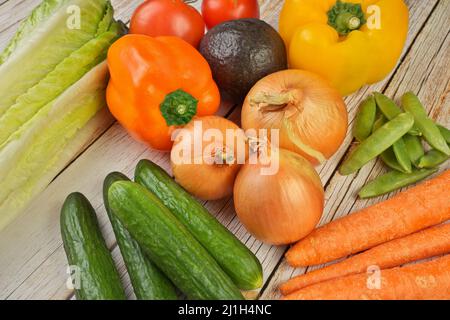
(32, 260)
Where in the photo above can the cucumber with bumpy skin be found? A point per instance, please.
(169, 244)
(233, 256)
(94, 274)
(149, 283)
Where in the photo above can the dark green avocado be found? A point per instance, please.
(241, 52)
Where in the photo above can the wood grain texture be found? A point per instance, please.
(32, 260)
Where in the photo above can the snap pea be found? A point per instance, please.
(388, 156)
(445, 133)
(389, 159)
(396, 157)
(377, 143)
(414, 148)
(432, 159)
(401, 153)
(429, 129)
(392, 181)
(390, 110)
(379, 122)
(365, 119)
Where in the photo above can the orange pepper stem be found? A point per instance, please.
(346, 17)
(179, 108)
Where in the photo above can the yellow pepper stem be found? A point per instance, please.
(346, 17)
(348, 21)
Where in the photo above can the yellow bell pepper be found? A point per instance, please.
(350, 43)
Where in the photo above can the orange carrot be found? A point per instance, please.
(423, 281)
(426, 205)
(428, 243)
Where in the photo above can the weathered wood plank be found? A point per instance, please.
(14, 11)
(424, 71)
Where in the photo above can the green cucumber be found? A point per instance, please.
(148, 282)
(232, 255)
(94, 274)
(169, 244)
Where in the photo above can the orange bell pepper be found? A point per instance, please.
(157, 85)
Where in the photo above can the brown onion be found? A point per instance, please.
(281, 208)
(310, 114)
(212, 165)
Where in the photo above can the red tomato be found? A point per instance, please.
(168, 18)
(218, 11)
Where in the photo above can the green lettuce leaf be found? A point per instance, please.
(44, 40)
(69, 71)
(44, 144)
(107, 20)
(40, 13)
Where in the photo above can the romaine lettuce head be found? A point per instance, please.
(55, 29)
(65, 74)
(53, 77)
(45, 144)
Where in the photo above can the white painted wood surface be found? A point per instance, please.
(32, 260)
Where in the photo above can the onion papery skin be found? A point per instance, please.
(208, 181)
(313, 124)
(283, 208)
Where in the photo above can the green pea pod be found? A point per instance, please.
(401, 153)
(389, 159)
(377, 143)
(432, 159)
(414, 147)
(445, 133)
(392, 181)
(429, 129)
(396, 157)
(381, 121)
(365, 119)
(390, 110)
(388, 156)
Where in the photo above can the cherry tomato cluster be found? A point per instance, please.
(178, 18)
